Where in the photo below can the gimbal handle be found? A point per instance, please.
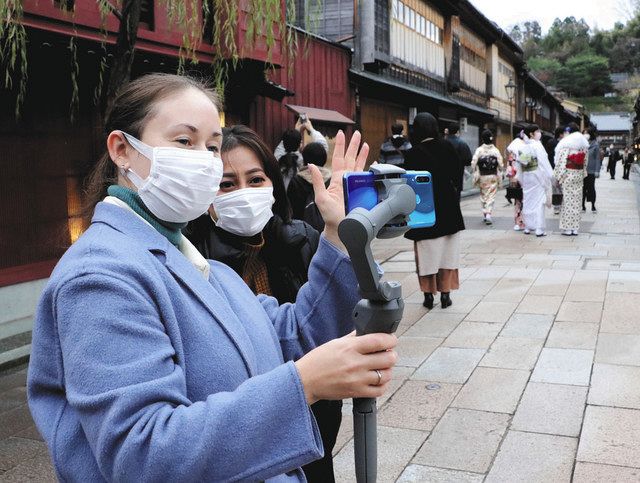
(381, 306)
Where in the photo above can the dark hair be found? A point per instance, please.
(397, 128)
(453, 130)
(240, 135)
(486, 136)
(593, 131)
(530, 129)
(314, 153)
(572, 127)
(425, 126)
(132, 108)
(291, 140)
(558, 131)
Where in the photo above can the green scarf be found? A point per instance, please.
(131, 198)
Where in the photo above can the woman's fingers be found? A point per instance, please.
(362, 157)
(369, 343)
(337, 160)
(352, 151)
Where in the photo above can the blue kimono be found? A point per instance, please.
(142, 370)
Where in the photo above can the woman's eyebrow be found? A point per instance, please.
(193, 129)
(254, 170)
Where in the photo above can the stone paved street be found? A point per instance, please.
(532, 375)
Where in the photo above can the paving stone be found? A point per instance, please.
(476, 287)
(412, 313)
(492, 312)
(448, 364)
(30, 433)
(533, 457)
(539, 304)
(435, 324)
(14, 420)
(551, 409)
(462, 303)
(573, 335)
(463, 440)
(610, 436)
(617, 386)
(399, 376)
(580, 312)
(532, 326)
(587, 286)
(563, 366)
(624, 282)
(593, 473)
(552, 282)
(10, 380)
(513, 353)
(419, 473)
(523, 273)
(407, 256)
(395, 449)
(399, 266)
(489, 273)
(616, 316)
(14, 451)
(412, 351)
(506, 289)
(473, 335)
(346, 428)
(12, 398)
(618, 349)
(418, 405)
(38, 468)
(491, 389)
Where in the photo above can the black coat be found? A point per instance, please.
(440, 159)
(287, 251)
(462, 149)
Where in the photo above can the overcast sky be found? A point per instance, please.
(602, 13)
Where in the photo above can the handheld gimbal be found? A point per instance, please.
(381, 306)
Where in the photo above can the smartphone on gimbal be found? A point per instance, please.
(360, 192)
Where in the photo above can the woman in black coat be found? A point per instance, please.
(254, 234)
(437, 248)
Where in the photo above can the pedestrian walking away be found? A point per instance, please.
(514, 174)
(150, 363)
(462, 150)
(627, 161)
(486, 167)
(570, 171)
(395, 147)
(614, 157)
(594, 164)
(437, 249)
(536, 181)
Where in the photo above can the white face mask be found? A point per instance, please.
(537, 135)
(244, 212)
(587, 136)
(182, 183)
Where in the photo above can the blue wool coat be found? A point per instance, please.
(142, 370)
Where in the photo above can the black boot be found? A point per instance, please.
(428, 301)
(445, 300)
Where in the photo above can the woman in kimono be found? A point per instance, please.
(570, 171)
(535, 179)
(486, 167)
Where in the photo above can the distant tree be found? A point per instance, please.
(624, 56)
(516, 34)
(528, 35)
(585, 75)
(545, 68)
(567, 38)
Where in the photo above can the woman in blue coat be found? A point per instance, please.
(150, 363)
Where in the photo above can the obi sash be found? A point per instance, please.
(576, 160)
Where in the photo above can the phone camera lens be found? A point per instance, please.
(423, 179)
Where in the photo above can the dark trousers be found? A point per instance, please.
(612, 168)
(589, 190)
(625, 173)
(328, 415)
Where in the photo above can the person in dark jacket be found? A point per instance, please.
(437, 248)
(254, 234)
(550, 146)
(627, 161)
(394, 148)
(462, 150)
(300, 190)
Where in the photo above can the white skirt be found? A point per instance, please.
(437, 253)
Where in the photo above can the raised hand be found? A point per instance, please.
(330, 201)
